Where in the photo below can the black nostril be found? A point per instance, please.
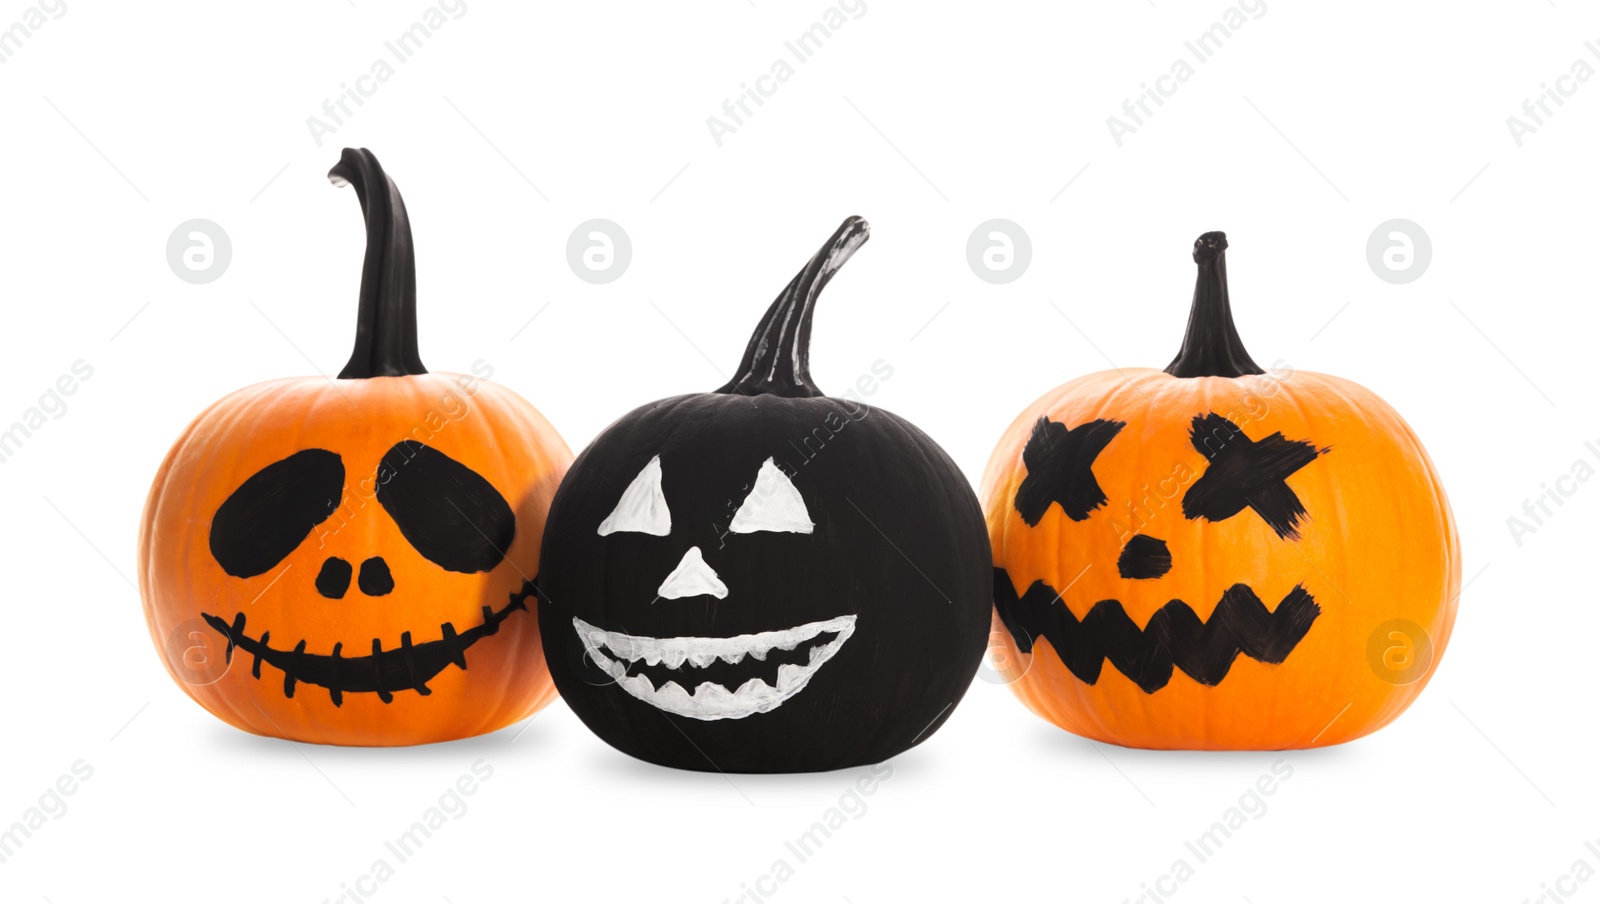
(1144, 557)
(375, 579)
(334, 578)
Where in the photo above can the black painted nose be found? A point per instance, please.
(334, 578)
(375, 579)
(1144, 557)
(333, 581)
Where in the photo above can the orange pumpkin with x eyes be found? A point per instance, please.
(349, 561)
(1215, 556)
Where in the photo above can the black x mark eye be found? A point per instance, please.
(446, 510)
(1060, 469)
(1247, 473)
(269, 514)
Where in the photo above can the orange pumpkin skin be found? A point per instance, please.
(1377, 544)
(489, 429)
(270, 498)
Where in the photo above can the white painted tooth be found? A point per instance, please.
(674, 655)
(614, 668)
(712, 696)
(753, 689)
(653, 657)
(825, 651)
(673, 698)
(702, 658)
(788, 675)
(759, 652)
(639, 686)
(732, 657)
(787, 644)
(622, 645)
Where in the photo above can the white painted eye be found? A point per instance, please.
(773, 504)
(642, 508)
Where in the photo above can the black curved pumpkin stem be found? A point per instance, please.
(386, 327)
(1211, 346)
(777, 361)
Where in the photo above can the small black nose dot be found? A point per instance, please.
(334, 578)
(375, 579)
(1144, 557)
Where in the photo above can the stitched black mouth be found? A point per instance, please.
(383, 672)
(1174, 635)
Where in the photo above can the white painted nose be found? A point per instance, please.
(692, 577)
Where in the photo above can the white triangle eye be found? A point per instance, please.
(642, 508)
(773, 504)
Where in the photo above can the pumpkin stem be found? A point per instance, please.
(778, 359)
(386, 326)
(1211, 346)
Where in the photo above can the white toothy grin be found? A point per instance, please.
(615, 653)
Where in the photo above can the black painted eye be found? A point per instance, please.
(274, 510)
(1061, 469)
(446, 510)
(1247, 473)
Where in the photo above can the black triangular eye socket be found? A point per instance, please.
(274, 510)
(444, 509)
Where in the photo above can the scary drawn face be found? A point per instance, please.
(1225, 545)
(705, 677)
(351, 562)
(447, 514)
(741, 584)
(1235, 474)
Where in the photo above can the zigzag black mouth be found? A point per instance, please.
(408, 667)
(1174, 636)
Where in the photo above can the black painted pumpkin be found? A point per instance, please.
(763, 578)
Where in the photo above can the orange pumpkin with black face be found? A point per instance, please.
(348, 561)
(1214, 556)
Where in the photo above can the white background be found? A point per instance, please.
(512, 125)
